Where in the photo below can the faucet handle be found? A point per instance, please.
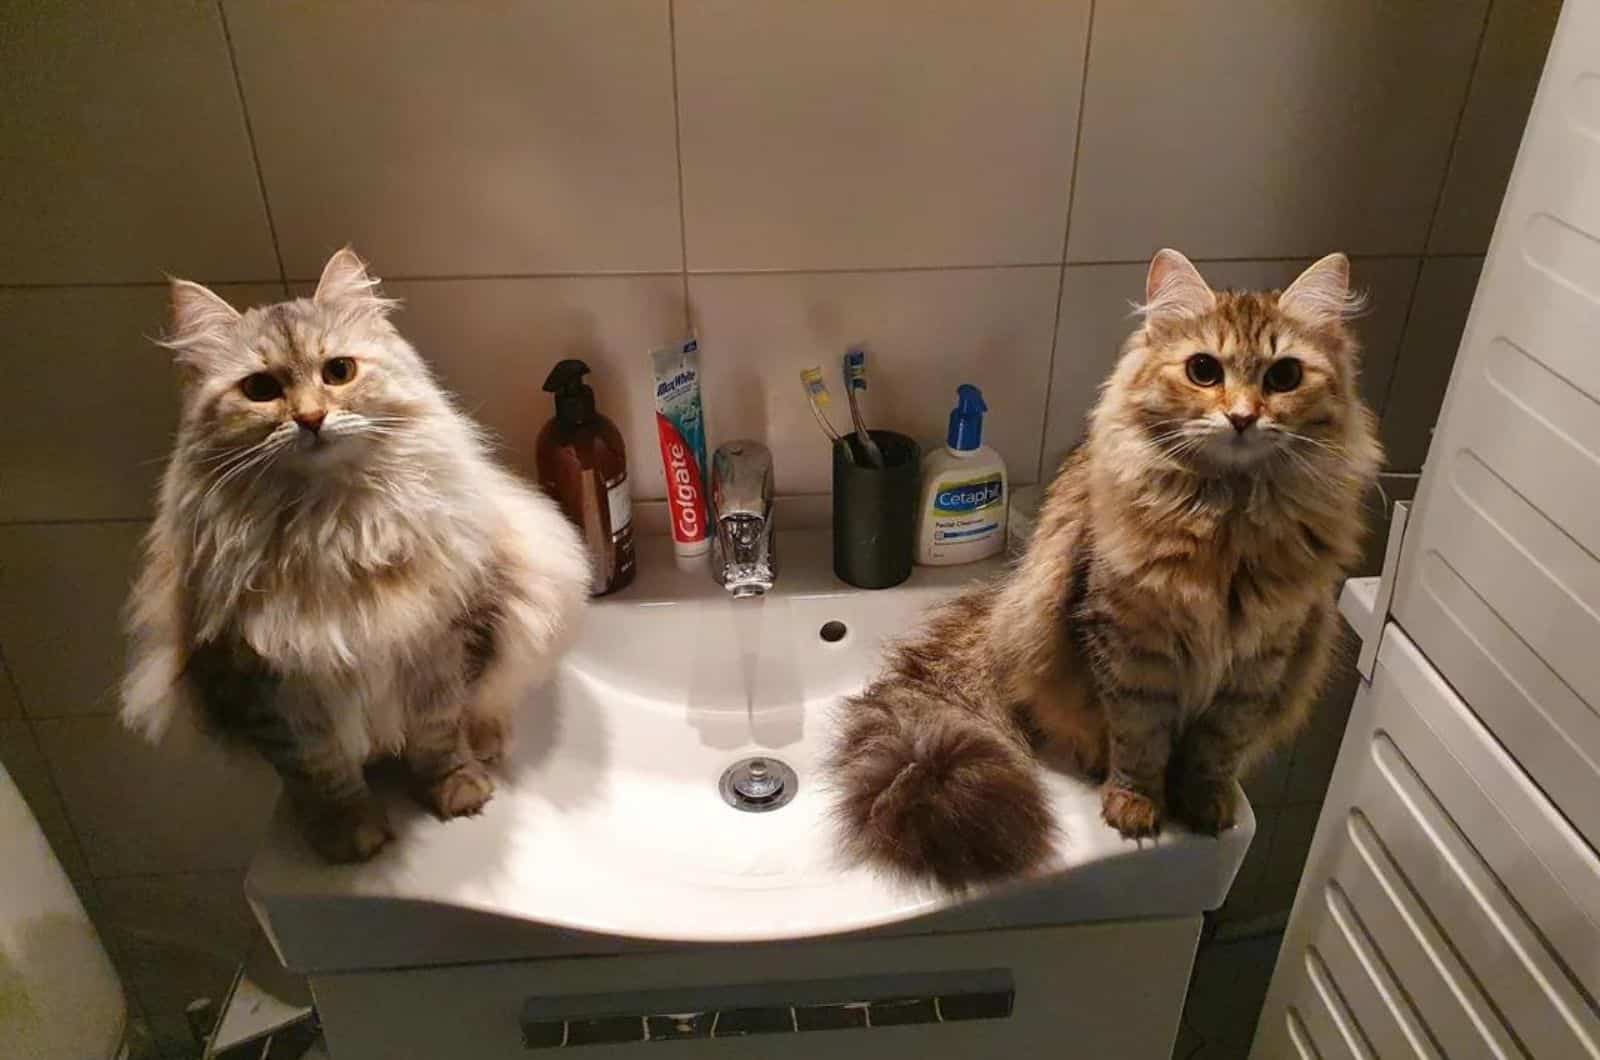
(741, 480)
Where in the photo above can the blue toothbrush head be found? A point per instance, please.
(855, 369)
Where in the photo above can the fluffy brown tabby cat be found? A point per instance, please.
(1173, 615)
(337, 569)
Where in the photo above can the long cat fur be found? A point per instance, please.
(381, 588)
(1171, 618)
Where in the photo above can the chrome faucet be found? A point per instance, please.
(742, 556)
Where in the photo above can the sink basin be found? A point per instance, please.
(609, 830)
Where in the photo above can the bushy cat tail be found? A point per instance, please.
(935, 790)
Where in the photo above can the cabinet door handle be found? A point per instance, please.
(858, 1002)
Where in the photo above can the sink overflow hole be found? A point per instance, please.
(833, 632)
(757, 785)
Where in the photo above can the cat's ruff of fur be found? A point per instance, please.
(352, 578)
(1171, 618)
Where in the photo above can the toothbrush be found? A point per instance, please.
(855, 381)
(817, 395)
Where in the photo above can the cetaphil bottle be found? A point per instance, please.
(962, 516)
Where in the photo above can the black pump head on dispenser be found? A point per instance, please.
(574, 397)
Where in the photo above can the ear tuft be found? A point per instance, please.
(200, 323)
(1174, 288)
(1321, 295)
(346, 284)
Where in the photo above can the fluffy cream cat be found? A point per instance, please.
(337, 569)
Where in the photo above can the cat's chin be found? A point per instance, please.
(324, 452)
(1235, 452)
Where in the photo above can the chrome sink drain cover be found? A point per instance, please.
(757, 785)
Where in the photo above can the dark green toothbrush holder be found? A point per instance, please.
(875, 511)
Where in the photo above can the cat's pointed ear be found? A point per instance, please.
(200, 323)
(346, 282)
(1174, 288)
(1321, 295)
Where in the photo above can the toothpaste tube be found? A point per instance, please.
(680, 423)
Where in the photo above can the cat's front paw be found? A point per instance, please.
(1135, 815)
(1204, 804)
(461, 792)
(346, 834)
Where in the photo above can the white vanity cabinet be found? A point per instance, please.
(1099, 990)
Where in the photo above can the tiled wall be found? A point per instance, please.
(972, 188)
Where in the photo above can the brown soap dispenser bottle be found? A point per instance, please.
(583, 465)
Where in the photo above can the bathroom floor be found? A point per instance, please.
(1225, 995)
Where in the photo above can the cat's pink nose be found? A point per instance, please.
(311, 421)
(1242, 420)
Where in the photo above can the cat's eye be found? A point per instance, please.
(1203, 369)
(261, 386)
(1282, 375)
(337, 371)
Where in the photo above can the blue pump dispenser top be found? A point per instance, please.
(966, 419)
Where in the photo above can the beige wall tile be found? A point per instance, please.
(1427, 354)
(875, 133)
(1291, 842)
(1509, 64)
(1241, 903)
(1264, 784)
(926, 333)
(1096, 317)
(179, 807)
(176, 938)
(1253, 128)
(452, 139)
(62, 588)
(1226, 994)
(92, 402)
(1316, 749)
(1244, 901)
(494, 341)
(125, 148)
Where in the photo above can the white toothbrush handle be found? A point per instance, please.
(869, 447)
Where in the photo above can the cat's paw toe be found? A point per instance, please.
(349, 834)
(1135, 815)
(461, 792)
(1206, 807)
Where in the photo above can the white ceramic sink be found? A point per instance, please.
(608, 829)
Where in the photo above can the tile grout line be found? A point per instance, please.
(1066, 235)
(646, 274)
(1455, 132)
(125, 285)
(255, 154)
(11, 682)
(393, 277)
(116, 520)
(828, 270)
(1438, 204)
(677, 154)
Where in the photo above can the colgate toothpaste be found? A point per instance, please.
(680, 424)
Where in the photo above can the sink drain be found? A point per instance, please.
(757, 785)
